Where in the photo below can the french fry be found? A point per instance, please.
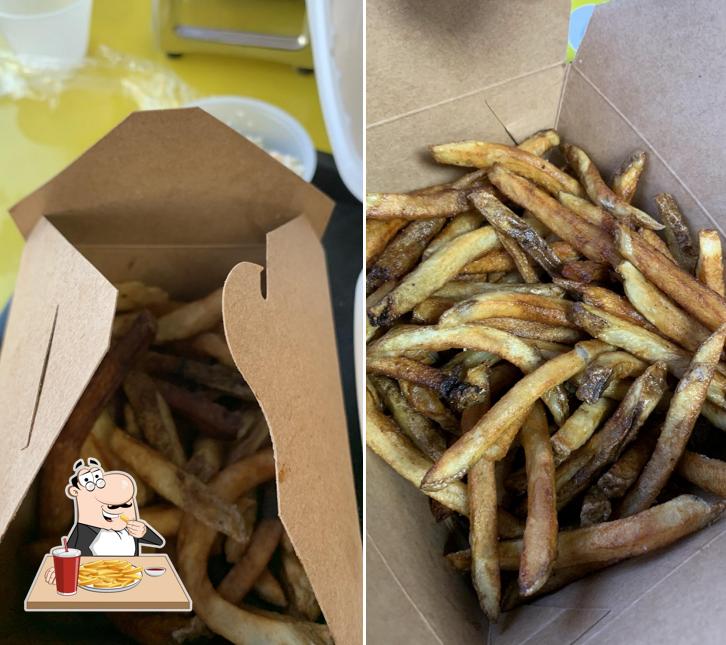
(625, 181)
(593, 382)
(384, 438)
(700, 301)
(652, 238)
(165, 519)
(682, 414)
(248, 507)
(56, 515)
(581, 235)
(255, 437)
(462, 223)
(179, 487)
(709, 269)
(540, 532)
(599, 192)
(540, 142)
(401, 255)
(499, 260)
(677, 235)
(426, 401)
(483, 531)
(643, 344)
(191, 319)
(506, 416)
(619, 430)
(414, 425)
(270, 590)
(462, 290)
(581, 425)
(432, 274)
(479, 154)
(523, 263)
(535, 330)
(135, 295)
(153, 416)
(588, 211)
(379, 233)
(586, 271)
(706, 473)
(130, 422)
(207, 458)
(214, 345)
(442, 203)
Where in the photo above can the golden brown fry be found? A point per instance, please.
(534, 330)
(179, 487)
(669, 319)
(384, 438)
(540, 532)
(416, 426)
(379, 233)
(425, 401)
(462, 223)
(500, 260)
(696, 298)
(153, 416)
(462, 290)
(586, 271)
(709, 269)
(507, 415)
(401, 255)
(599, 192)
(429, 311)
(540, 142)
(643, 344)
(677, 235)
(652, 238)
(214, 345)
(581, 235)
(588, 211)
(527, 306)
(469, 180)
(592, 382)
(55, 514)
(432, 274)
(682, 414)
(523, 263)
(706, 473)
(207, 458)
(270, 590)
(442, 203)
(191, 318)
(302, 597)
(625, 181)
(581, 425)
(136, 295)
(479, 154)
(619, 430)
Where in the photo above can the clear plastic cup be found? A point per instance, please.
(47, 32)
(66, 565)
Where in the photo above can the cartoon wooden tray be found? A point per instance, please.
(163, 593)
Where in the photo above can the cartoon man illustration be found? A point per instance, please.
(106, 515)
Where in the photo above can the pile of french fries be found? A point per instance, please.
(538, 360)
(168, 406)
(108, 574)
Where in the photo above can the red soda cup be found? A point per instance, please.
(66, 563)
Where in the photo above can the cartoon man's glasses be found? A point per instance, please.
(92, 479)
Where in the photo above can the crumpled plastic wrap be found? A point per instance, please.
(148, 84)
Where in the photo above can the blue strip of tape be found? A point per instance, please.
(4, 320)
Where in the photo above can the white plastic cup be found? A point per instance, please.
(47, 32)
(265, 124)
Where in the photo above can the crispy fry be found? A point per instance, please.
(179, 487)
(462, 290)
(669, 319)
(478, 154)
(534, 330)
(586, 271)
(523, 263)
(383, 437)
(442, 203)
(652, 238)
(56, 515)
(425, 401)
(299, 591)
(643, 344)
(682, 414)
(153, 416)
(581, 235)
(706, 473)
(593, 382)
(270, 590)
(379, 233)
(696, 298)
(507, 415)
(625, 180)
(483, 532)
(598, 191)
(430, 310)
(191, 319)
(677, 235)
(207, 458)
(214, 345)
(588, 211)
(136, 295)
(540, 532)
(540, 142)
(416, 426)
(462, 223)
(432, 274)
(619, 430)
(500, 260)
(575, 432)
(217, 377)
(709, 269)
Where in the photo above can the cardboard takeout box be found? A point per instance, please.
(649, 75)
(176, 199)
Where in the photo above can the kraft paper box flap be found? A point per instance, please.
(279, 327)
(157, 174)
(58, 332)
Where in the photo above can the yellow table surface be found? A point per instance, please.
(39, 138)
